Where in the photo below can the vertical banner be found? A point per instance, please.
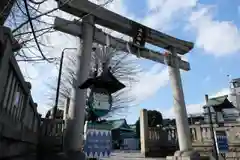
(98, 143)
(221, 141)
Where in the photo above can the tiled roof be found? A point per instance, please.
(116, 124)
(219, 103)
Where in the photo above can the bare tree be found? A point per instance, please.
(32, 27)
(123, 66)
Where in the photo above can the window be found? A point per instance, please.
(16, 99)
(231, 85)
(236, 84)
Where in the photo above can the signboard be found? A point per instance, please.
(221, 141)
(101, 101)
(98, 142)
(139, 35)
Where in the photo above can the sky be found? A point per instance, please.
(212, 25)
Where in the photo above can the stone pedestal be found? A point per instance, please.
(184, 155)
(76, 155)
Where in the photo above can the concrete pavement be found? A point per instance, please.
(129, 155)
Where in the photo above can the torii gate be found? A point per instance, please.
(93, 14)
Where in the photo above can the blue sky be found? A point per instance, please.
(214, 27)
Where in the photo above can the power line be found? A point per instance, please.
(50, 11)
(33, 18)
(38, 16)
(42, 29)
(36, 59)
(34, 2)
(33, 32)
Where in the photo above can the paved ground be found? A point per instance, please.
(116, 155)
(132, 155)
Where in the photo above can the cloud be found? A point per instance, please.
(150, 82)
(160, 14)
(43, 109)
(219, 38)
(194, 108)
(222, 92)
(166, 12)
(39, 76)
(191, 109)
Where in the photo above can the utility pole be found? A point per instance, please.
(59, 83)
(215, 154)
(75, 125)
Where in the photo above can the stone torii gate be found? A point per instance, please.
(86, 30)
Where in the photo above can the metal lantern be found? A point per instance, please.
(102, 88)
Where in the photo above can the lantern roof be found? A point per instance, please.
(106, 81)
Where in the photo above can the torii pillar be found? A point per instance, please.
(181, 118)
(74, 129)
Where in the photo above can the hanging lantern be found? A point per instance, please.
(102, 88)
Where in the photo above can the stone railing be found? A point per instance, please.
(19, 119)
(52, 127)
(51, 135)
(156, 141)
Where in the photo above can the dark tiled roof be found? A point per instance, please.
(219, 103)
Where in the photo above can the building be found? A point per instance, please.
(123, 136)
(222, 110)
(235, 92)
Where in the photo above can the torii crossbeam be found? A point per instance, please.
(124, 25)
(93, 14)
(75, 28)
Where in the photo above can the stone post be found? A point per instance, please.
(144, 132)
(5, 54)
(199, 133)
(66, 108)
(26, 101)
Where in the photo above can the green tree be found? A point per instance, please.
(154, 119)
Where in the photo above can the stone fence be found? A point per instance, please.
(162, 142)
(51, 135)
(19, 119)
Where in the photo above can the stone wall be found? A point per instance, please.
(206, 150)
